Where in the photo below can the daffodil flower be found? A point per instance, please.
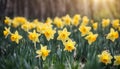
(16, 37)
(84, 30)
(115, 23)
(76, 19)
(34, 37)
(8, 21)
(91, 38)
(69, 45)
(6, 32)
(49, 20)
(105, 57)
(67, 20)
(117, 60)
(105, 23)
(25, 27)
(85, 20)
(112, 35)
(63, 35)
(49, 33)
(95, 26)
(18, 21)
(43, 52)
(58, 22)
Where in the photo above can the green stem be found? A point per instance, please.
(40, 63)
(35, 45)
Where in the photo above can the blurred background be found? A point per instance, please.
(42, 9)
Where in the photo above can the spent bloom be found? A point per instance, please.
(43, 52)
(112, 35)
(15, 37)
(117, 60)
(63, 35)
(91, 38)
(105, 57)
(69, 45)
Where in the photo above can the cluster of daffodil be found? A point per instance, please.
(106, 57)
(61, 26)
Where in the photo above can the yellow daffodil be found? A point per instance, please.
(112, 35)
(69, 45)
(33, 36)
(38, 27)
(67, 19)
(6, 32)
(58, 22)
(117, 60)
(115, 23)
(35, 21)
(49, 20)
(8, 21)
(32, 26)
(105, 23)
(84, 30)
(25, 27)
(85, 20)
(105, 57)
(56, 19)
(63, 35)
(43, 52)
(76, 19)
(15, 37)
(49, 33)
(42, 27)
(95, 26)
(91, 38)
(18, 21)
